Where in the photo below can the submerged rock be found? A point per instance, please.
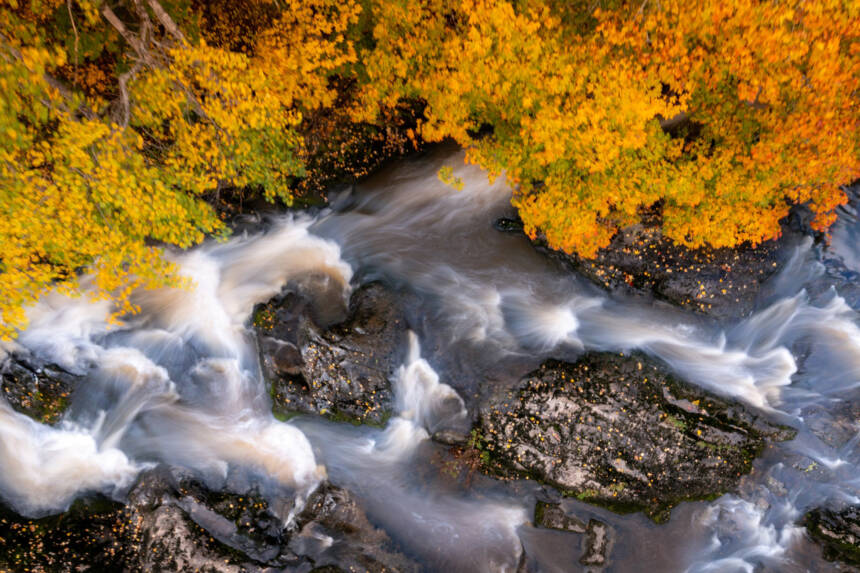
(838, 532)
(41, 392)
(508, 224)
(598, 538)
(552, 516)
(619, 431)
(347, 540)
(451, 437)
(343, 371)
(598, 544)
(180, 525)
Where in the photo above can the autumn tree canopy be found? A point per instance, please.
(119, 119)
(725, 111)
(123, 121)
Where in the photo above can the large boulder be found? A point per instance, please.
(719, 282)
(641, 261)
(621, 432)
(343, 371)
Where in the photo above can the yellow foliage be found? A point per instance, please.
(89, 185)
(567, 100)
(723, 112)
(83, 195)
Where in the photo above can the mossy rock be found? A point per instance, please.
(838, 533)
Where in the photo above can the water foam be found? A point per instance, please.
(179, 383)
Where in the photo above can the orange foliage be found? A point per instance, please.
(774, 86)
(724, 112)
(568, 101)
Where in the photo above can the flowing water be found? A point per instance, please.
(180, 383)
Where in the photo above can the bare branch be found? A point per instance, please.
(166, 21)
(124, 103)
(75, 30)
(140, 43)
(132, 40)
(755, 104)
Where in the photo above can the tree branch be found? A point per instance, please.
(124, 103)
(132, 40)
(75, 30)
(166, 21)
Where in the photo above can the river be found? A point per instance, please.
(180, 382)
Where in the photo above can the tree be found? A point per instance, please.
(112, 139)
(724, 113)
(124, 120)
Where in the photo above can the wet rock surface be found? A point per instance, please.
(597, 539)
(91, 534)
(180, 525)
(621, 432)
(598, 544)
(40, 392)
(838, 532)
(717, 282)
(350, 542)
(641, 261)
(552, 516)
(343, 371)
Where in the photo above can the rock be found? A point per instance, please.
(598, 544)
(284, 357)
(552, 516)
(508, 225)
(172, 543)
(340, 150)
(337, 151)
(722, 283)
(343, 371)
(351, 542)
(621, 432)
(833, 423)
(838, 532)
(41, 392)
(171, 524)
(451, 437)
(89, 535)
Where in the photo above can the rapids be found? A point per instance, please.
(180, 383)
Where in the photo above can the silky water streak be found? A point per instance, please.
(178, 383)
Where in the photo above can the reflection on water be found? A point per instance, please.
(180, 383)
